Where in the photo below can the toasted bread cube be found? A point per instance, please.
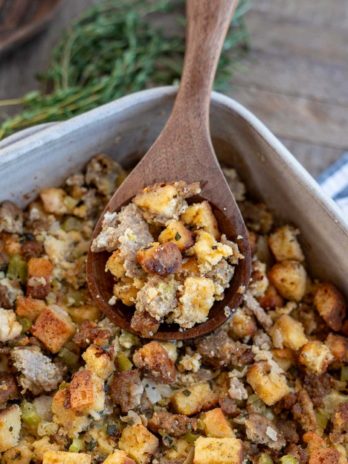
(53, 200)
(53, 328)
(284, 357)
(154, 359)
(138, 443)
(72, 421)
(42, 446)
(271, 299)
(177, 233)
(269, 385)
(10, 427)
(287, 332)
(201, 216)
(40, 267)
(338, 346)
(208, 251)
(115, 265)
(195, 302)
(259, 280)
(189, 267)
(162, 259)
(331, 305)
(20, 454)
(181, 450)
(319, 451)
(284, 244)
(30, 308)
(86, 392)
(290, 279)
(218, 451)
(216, 425)
(98, 361)
(126, 290)
(194, 399)
(66, 457)
(242, 324)
(118, 457)
(316, 356)
(87, 312)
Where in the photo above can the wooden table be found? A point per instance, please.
(294, 78)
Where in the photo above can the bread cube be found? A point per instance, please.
(72, 421)
(284, 244)
(269, 385)
(287, 332)
(216, 425)
(115, 265)
(162, 259)
(154, 359)
(30, 308)
(126, 291)
(98, 361)
(10, 427)
(87, 312)
(338, 346)
(10, 328)
(42, 446)
(118, 457)
(201, 216)
(331, 305)
(242, 324)
(284, 357)
(138, 443)
(319, 451)
(20, 454)
(86, 392)
(208, 251)
(53, 200)
(196, 301)
(271, 299)
(66, 457)
(40, 267)
(177, 233)
(316, 356)
(194, 399)
(180, 452)
(53, 328)
(290, 279)
(218, 451)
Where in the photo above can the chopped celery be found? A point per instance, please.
(322, 418)
(123, 362)
(25, 323)
(76, 445)
(265, 459)
(17, 268)
(30, 417)
(344, 374)
(69, 358)
(288, 459)
(191, 437)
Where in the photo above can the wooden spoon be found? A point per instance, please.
(184, 151)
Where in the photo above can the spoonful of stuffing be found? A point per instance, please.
(170, 257)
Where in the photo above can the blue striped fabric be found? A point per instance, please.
(334, 182)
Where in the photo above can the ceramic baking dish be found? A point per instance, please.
(44, 156)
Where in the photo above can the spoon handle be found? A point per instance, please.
(207, 25)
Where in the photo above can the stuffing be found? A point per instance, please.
(126, 389)
(271, 299)
(218, 451)
(90, 332)
(284, 357)
(208, 251)
(64, 457)
(39, 277)
(86, 392)
(53, 200)
(98, 361)
(144, 324)
(10, 427)
(216, 425)
(155, 361)
(175, 425)
(30, 308)
(284, 244)
(115, 265)
(127, 290)
(138, 443)
(104, 173)
(315, 356)
(118, 457)
(256, 216)
(162, 202)
(338, 346)
(193, 399)
(259, 281)
(195, 302)
(242, 324)
(289, 278)
(331, 305)
(319, 451)
(255, 308)
(201, 216)
(177, 233)
(73, 422)
(53, 328)
(10, 328)
(287, 332)
(37, 372)
(221, 274)
(20, 454)
(236, 185)
(339, 433)
(161, 259)
(260, 429)
(43, 446)
(269, 385)
(10, 290)
(11, 218)
(8, 388)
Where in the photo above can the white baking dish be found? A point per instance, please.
(44, 156)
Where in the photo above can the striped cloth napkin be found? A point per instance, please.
(334, 182)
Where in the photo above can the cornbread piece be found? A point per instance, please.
(115, 264)
(66, 457)
(269, 385)
(242, 324)
(53, 328)
(30, 308)
(331, 305)
(316, 356)
(98, 361)
(208, 251)
(175, 425)
(73, 421)
(143, 323)
(158, 296)
(10, 427)
(284, 357)
(338, 346)
(155, 361)
(8, 388)
(201, 216)
(126, 389)
(162, 202)
(127, 290)
(218, 451)
(284, 244)
(289, 278)
(87, 392)
(10, 328)
(118, 457)
(138, 443)
(195, 303)
(161, 259)
(193, 399)
(177, 233)
(11, 218)
(261, 430)
(37, 372)
(287, 332)
(216, 425)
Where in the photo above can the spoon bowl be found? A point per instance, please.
(184, 151)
